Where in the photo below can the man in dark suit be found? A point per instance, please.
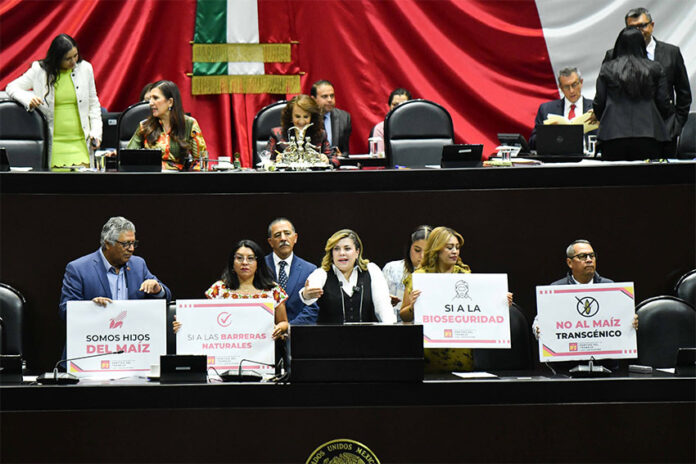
(336, 122)
(670, 57)
(112, 272)
(290, 271)
(570, 83)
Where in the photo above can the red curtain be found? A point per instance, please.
(485, 61)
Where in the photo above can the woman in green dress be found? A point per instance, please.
(62, 87)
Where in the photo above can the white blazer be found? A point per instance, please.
(33, 83)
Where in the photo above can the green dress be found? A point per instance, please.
(69, 146)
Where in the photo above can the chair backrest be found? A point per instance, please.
(129, 120)
(24, 134)
(518, 357)
(12, 304)
(665, 324)
(415, 132)
(265, 120)
(171, 336)
(686, 288)
(687, 140)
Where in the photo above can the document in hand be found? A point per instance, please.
(136, 327)
(579, 322)
(463, 310)
(579, 119)
(227, 332)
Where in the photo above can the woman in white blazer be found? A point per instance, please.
(62, 87)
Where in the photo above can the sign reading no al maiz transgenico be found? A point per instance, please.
(579, 322)
(463, 310)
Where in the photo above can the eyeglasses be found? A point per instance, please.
(574, 85)
(127, 245)
(584, 256)
(248, 259)
(641, 26)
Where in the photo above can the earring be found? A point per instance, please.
(170, 108)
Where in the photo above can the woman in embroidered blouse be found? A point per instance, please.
(441, 255)
(347, 287)
(247, 277)
(396, 271)
(170, 130)
(62, 87)
(299, 112)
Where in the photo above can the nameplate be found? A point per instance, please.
(227, 332)
(138, 327)
(579, 322)
(463, 310)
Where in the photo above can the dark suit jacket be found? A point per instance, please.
(670, 57)
(568, 280)
(340, 130)
(621, 116)
(298, 312)
(554, 107)
(85, 278)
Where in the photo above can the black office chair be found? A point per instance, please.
(665, 324)
(686, 148)
(171, 336)
(265, 120)
(518, 357)
(129, 120)
(415, 132)
(24, 134)
(12, 304)
(686, 288)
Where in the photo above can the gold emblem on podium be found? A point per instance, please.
(342, 451)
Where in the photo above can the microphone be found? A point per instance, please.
(65, 378)
(230, 376)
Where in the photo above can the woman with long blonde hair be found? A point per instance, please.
(441, 256)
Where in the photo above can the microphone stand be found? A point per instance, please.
(66, 378)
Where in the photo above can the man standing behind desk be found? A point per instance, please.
(112, 272)
(570, 106)
(290, 271)
(336, 122)
(670, 57)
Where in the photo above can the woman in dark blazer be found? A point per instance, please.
(631, 102)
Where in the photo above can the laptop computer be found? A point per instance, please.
(461, 156)
(559, 142)
(143, 160)
(183, 368)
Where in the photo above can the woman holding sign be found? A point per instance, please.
(441, 256)
(247, 277)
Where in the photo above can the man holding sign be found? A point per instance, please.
(112, 272)
(575, 328)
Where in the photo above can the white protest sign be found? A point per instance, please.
(577, 322)
(138, 327)
(228, 331)
(463, 310)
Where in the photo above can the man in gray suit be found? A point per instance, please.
(336, 122)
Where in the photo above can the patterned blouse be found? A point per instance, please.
(172, 158)
(219, 291)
